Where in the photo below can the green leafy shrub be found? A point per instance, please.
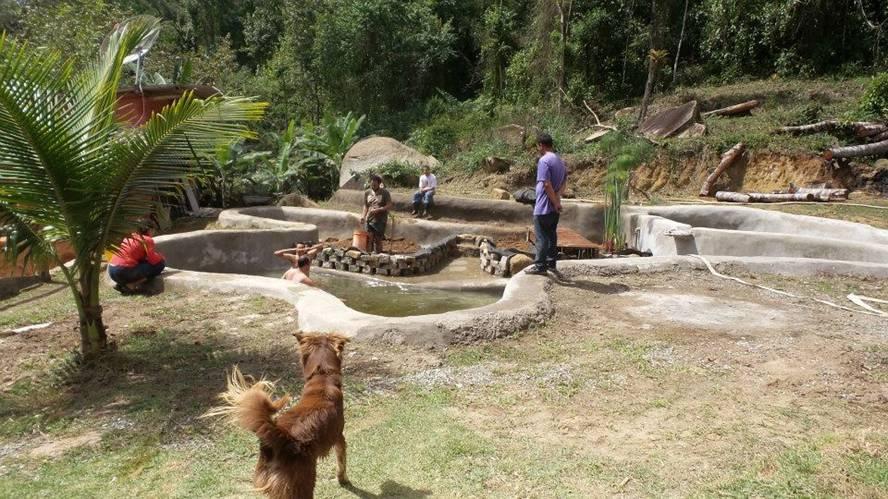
(874, 103)
(399, 174)
(627, 152)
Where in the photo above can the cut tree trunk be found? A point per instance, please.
(767, 197)
(874, 149)
(861, 129)
(824, 194)
(820, 126)
(737, 109)
(729, 158)
(864, 130)
(762, 197)
(732, 197)
(879, 138)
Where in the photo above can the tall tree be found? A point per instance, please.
(684, 20)
(655, 55)
(70, 172)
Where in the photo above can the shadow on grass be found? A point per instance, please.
(60, 286)
(388, 489)
(157, 380)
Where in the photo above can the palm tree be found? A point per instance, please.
(69, 171)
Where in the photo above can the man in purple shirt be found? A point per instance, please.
(551, 180)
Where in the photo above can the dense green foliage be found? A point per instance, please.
(386, 58)
(71, 173)
(627, 152)
(874, 103)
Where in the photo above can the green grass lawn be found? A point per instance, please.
(592, 404)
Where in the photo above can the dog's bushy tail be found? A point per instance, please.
(251, 406)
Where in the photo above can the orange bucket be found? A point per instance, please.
(360, 240)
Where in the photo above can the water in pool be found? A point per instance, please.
(389, 299)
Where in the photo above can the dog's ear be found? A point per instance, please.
(299, 336)
(338, 342)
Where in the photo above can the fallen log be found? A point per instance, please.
(767, 197)
(728, 158)
(732, 197)
(861, 129)
(824, 194)
(874, 149)
(736, 109)
(820, 126)
(762, 197)
(878, 138)
(864, 130)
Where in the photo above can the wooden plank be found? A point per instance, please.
(570, 239)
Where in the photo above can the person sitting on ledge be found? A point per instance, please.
(300, 272)
(425, 196)
(136, 262)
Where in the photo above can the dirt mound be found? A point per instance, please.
(761, 172)
(399, 246)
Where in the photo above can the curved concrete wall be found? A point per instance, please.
(756, 220)
(585, 218)
(340, 224)
(243, 251)
(736, 231)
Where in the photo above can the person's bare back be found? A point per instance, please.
(296, 275)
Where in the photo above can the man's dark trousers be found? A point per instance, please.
(546, 229)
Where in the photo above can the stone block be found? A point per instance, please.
(327, 265)
(353, 253)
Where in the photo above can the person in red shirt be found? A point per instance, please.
(135, 262)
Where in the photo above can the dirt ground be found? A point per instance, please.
(667, 384)
(398, 246)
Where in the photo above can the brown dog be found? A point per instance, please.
(291, 443)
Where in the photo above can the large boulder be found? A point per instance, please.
(374, 152)
(513, 135)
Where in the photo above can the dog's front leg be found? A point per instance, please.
(340, 460)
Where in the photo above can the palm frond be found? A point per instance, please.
(23, 240)
(160, 158)
(41, 144)
(100, 82)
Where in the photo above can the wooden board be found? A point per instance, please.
(571, 242)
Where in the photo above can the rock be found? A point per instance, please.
(298, 200)
(373, 152)
(518, 263)
(501, 194)
(513, 135)
(493, 164)
(596, 135)
(881, 164)
(695, 130)
(672, 121)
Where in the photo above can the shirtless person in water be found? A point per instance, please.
(300, 262)
(299, 272)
